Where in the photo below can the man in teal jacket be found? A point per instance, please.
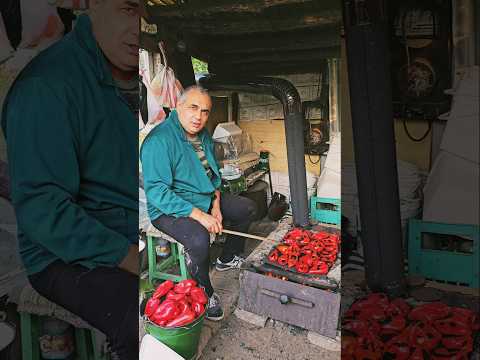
(72, 139)
(181, 180)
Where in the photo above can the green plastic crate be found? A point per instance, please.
(443, 265)
(326, 210)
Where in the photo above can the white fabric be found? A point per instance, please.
(41, 25)
(152, 349)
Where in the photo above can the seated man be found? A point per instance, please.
(72, 134)
(181, 180)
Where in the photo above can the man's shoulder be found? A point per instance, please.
(162, 134)
(56, 64)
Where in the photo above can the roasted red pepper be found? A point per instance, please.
(183, 305)
(184, 286)
(452, 327)
(417, 354)
(424, 336)
(163, 289)
(283, 260)
(198, 308)
(320, 269)
(198, 295)
(304, 240)
(172, 295)
(183, 319)
(301, 268)
(446, 354)
(458, 343)
(283, 249)
(394, 327)
(151, 306)
(429, 312)
(273, 257)
(292, 261)
(167, 310)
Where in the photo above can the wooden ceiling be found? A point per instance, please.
(250, 35)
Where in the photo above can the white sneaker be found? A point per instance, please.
(235, 263)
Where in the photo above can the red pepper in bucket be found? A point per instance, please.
(183, 319)
(163, 289)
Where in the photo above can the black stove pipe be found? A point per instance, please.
(288, 95)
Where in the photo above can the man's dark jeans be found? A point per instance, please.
(106, 298)
(238, 213)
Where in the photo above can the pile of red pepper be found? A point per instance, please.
(173, 305)
(377, 328)
(306, 252)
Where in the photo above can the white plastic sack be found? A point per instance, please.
(41, 25)
(165, 87)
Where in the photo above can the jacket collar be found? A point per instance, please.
(83, 32)
(176, 122)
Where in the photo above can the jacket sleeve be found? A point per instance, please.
(157, 171)
(43, 155)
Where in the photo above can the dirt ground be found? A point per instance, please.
(239, 340)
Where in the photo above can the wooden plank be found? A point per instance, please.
(211, 7)
(305, 306)
(270, 135)
(453, 288)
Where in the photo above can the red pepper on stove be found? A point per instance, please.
(453, 327)
(318, 248)
(294, 250)
(429, 312)
(458, 342)
(183, 319)
(283, 249)
(198, 295)
(165, 311)
(197, 308)
(442, 353)
(395, 326)
(172, 295)
(162, 289)
(306, 251)
(424, 336)
(417, 354)
(151, 306)
(292, 261)
(399, 346)
(320, 269)
(320, 235)
(283, 260)
(372, 312)
(305, 240)
(273, 257)
(398, 306)
(301, 268)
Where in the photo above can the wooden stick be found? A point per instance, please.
(246, 235)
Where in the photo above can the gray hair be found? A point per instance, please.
(188, 90)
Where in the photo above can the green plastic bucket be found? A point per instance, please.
(183, 340)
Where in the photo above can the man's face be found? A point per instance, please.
(194, 111)
(116, 27)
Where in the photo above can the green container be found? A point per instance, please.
(183, 340)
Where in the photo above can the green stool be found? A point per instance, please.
(177, 256)
(30, 331)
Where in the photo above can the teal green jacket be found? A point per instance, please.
(174, 179)
(72, 146)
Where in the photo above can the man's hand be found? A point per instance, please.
(131, 262)
(216, 210)
(208, 221)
